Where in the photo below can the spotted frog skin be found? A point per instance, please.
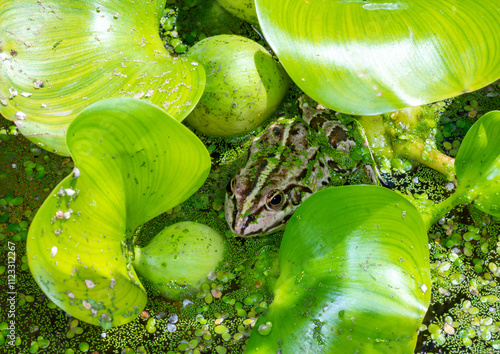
(288, 162)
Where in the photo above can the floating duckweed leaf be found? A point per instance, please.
(372, 57)
(133, 162)
(355, 276)
(478, 164)
(4, 217)
(16, 201)
(70, 54)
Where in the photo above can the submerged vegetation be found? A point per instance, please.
(434, 242)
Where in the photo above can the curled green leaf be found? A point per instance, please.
(478, 164)
(134, 162)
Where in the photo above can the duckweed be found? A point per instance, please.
(220, 329)
(220, 350)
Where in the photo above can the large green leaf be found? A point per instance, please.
(134, 162)
(355, 276)
(85, 51)
(478, 164)
(370, 57)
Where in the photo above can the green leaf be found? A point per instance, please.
(85, 51)
(16, 201)
(134, 162)
(478, 164)
(355, 276)
(372, 57)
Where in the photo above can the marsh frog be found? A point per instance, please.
(288, 162)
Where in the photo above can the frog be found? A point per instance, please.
(290, 160)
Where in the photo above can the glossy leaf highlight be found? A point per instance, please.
(85, 51)
(134, 162)
(478, 164)
(355, 276)
(373, 57)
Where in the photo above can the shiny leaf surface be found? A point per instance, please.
(85, 51)
(134, 162)
(355, 276)
(370, 57)
(478, 164)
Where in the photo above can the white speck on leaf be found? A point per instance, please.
(86, 305)
(69, 192)
(20, 115)
(89, 283)
(13, 92)
(76, 172)
(38, 83)
(53, 252)
(423, 288)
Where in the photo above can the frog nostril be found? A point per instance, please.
(249, 219)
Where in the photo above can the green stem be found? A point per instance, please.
(441, 209)
(415, 149)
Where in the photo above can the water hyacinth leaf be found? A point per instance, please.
(477, 164)
(133, 162)
(58, 57)
(355, 276)
(373, 57)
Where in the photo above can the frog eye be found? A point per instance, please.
(230, 186)
(275, 200)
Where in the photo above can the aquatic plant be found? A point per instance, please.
(375, 57)
(244, 9)
(69, 55)
(179, 258)
(134, 161)
(244, 85)
(355, 274)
